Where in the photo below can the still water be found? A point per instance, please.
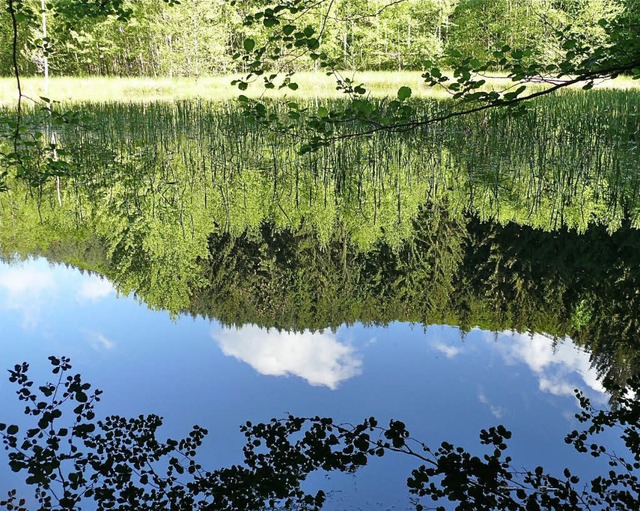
(445, 384)
(471, 274)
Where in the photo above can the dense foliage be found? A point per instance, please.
(199, 37)
(72, 459)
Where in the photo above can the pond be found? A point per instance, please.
(474, 273)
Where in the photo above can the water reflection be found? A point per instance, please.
(94, 288)
(39, 291)
(444, 382)
(99, 342)
(559, 365)
(508, 227)
(24, 290)
(317, 357)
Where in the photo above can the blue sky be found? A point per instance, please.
(445, 385)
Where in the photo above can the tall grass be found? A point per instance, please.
(218, 88)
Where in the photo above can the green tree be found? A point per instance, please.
(583, 58)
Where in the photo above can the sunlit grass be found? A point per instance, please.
(219, 88)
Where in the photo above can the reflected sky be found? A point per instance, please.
(444, 383)
(317, 357)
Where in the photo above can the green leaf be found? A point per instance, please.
(288, 29)
(363, 106)
(249, 45)
(404, 92)
(270, 22)
(323, 112)
(16, 466)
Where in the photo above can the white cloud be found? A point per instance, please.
(25, 281)
(496, 411)
(317, 357)
(449, 351)
(94, 287)
(561, 366)
(24, 289)
(99, 342)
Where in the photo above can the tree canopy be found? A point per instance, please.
(145, 38)
(583, 55)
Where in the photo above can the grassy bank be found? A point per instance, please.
(219, 87)
(210, 88)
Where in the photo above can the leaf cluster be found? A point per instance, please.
(120, 463)
(581, 62)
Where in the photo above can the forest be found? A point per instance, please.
(504, 204)
(200, 37)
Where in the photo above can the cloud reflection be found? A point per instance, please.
(94, 288)
(319, 358)
(25, 281)
(497, 411)
(100, 342)
(24, 289)
(449, 351)
(558, 365)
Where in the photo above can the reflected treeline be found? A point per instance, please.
(463, 272)
(524, 223)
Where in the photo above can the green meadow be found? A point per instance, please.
(218, 88)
